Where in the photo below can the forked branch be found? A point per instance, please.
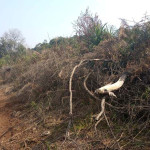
(71, 77)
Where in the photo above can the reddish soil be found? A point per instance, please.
(7, 121)
(17, 128)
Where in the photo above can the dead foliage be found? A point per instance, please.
(44, 85)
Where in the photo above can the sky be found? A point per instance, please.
(46, 19)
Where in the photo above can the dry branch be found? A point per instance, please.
(71, 77)
(103, 109)
(112, 131)
(92, 94)
(95, 97)
(70, 90)
(70, 84)
(112, 87)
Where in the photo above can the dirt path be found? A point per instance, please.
(6, 121)
(15, 129)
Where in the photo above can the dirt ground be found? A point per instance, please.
(19, 128)
(7, 118)
(6, 121)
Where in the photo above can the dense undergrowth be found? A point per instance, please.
(41, 80)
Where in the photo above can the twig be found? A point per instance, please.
(9, 129)
(22, 131)
(111, 131)
(134, 136)
(119, 139)
(67, 133)
(96, 124)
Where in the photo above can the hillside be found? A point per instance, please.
(48, 98)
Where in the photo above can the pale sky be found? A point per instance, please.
(38, 18)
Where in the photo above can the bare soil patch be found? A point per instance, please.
(7, 119)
